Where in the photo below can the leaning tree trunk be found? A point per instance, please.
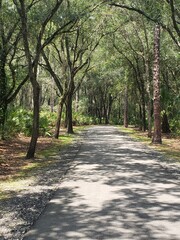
(58, 121)
(156, 87)
(59, 116)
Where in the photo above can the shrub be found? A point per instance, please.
(47, 123)
(80, 119)
(20, 121)
(175, 126)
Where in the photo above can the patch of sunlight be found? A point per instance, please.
(8, 187)
(167, 147)
(91, 195)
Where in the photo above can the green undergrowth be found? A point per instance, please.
(169, 148)
(57, 145)
(135, 134)
(44, 159)
(172, 154)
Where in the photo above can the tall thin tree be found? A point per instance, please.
(156, 87)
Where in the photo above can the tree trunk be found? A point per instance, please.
(148, 81)
(3, 92)
(3, 111)
(110, 102)
(143, 113)
(98, 114)
(126, 108)
(140, 117)
(105, 110)
(52, 99)
(156, 87)
(58, 122)
(149, 109)
(69, 114)
(165, 123)
(77, 101)
(149, 117)
(106, 119)
(65, 117)
(35, 128)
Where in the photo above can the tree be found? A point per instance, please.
(156, 86)
(33, 53)
(9, 60)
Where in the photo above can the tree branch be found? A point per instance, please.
(149, 18)
(53, 74)
(173, 17)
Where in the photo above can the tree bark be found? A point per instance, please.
(143, 112)
(69, 114)
(140, 117)
(156, 87)
(126, 108)
(35, 128)
(149, 115)
(108, 111)
(165, 123)
(148, 82)
(77, 101)
(149, 104)
(58, 122)
(3, 92)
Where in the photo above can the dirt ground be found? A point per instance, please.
(12, 154)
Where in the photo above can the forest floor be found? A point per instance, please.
(12, 151)
(12, 154)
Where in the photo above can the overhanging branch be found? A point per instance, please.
(139, 11)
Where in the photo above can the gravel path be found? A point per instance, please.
(19, 212)
(109, 158)
(117, 190)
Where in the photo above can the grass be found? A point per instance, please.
(57, 145)
(170, 146)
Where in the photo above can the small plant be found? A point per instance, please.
(20, 121)
(80, 119)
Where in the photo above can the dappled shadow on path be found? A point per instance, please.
(118, 190)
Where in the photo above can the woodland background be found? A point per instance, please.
(74, 62)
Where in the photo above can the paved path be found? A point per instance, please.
(117, 190)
